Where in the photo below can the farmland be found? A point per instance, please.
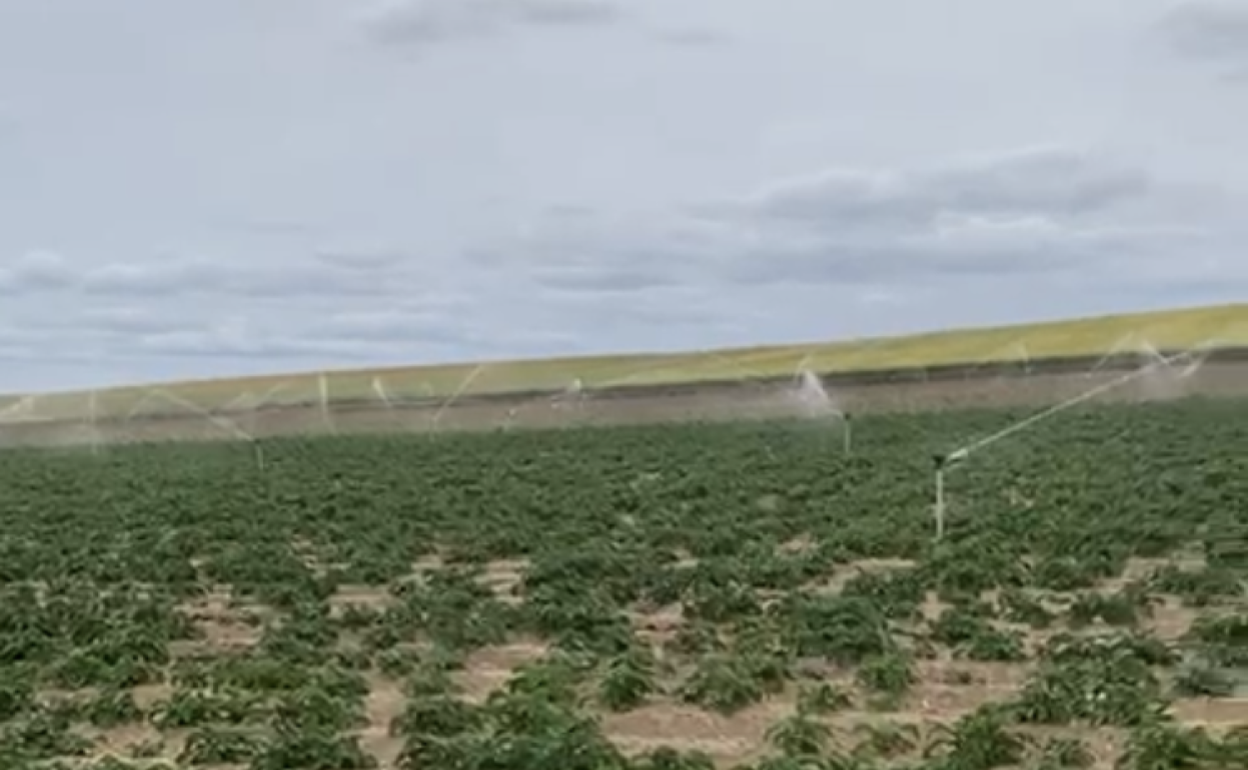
(662, 597)
(1090, 339)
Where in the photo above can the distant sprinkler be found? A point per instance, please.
(379, 390)
(93, 419)
(322, 388)
(574, 391)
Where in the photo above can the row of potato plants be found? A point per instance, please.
(740, 526)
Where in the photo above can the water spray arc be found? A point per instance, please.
(379, 390)
(1023, 354)
(20, 410)
(946, 462)
(221, 422)
(327, 417)
(573, 395)
(815, 400)
(464, 384)
(92, 417)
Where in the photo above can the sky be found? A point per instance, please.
(220, 187)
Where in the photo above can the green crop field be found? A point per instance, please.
(1187, 329)
(677, 597)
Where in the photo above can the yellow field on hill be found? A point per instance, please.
(1220, 326)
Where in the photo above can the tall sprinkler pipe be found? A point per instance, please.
(944, 462)
(939, 463)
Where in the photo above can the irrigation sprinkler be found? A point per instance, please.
(939, 462)
(268, 395)
(238, 403)
(379, 390)
(573, 394)
(802, 366)
(227, 425)
(815, 401)
(1123, 343)
(1141, 347)
(946, 462)
(22, 408)
(459, 391)
(510, 419)
(92, 411)
(1024, 355)
(322, 383)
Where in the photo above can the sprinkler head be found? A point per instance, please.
(847, 416)
(939, 460)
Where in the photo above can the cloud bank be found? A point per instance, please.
(251, 187)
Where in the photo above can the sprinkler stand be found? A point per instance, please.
(939, 462)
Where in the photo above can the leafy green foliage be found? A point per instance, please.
(1105, 681)
(629, 679)
(710, 566)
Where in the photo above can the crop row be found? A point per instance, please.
(554, 599)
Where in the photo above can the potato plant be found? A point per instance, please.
(511, 600)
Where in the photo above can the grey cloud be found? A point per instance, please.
(1051, 180)
(36, 271)
(602, 252)
(237, 338)
(210, 345)
(131, 333)
(125, 279)
(404, 327)
(268, 226)
(662, 308)
(1213, 32)
(427, 22)
(14, 352)
(364, 261)
(252, 280)
(603, 279)
(564, 11)
(127, 320)
(691, 37)
(10, 336)
(336, 275)
(1016, 213)
(105, 321)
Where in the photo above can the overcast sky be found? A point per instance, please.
(213, 187)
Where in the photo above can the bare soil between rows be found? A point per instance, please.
(945, 689)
